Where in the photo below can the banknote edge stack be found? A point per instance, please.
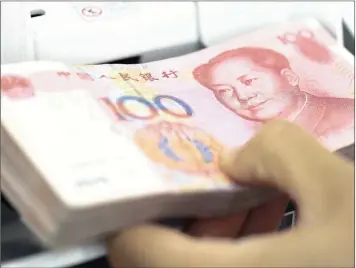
(57, 225)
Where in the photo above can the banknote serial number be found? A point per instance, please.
(158, 105)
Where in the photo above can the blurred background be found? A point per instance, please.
(132, 32)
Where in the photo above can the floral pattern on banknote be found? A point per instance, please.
(180, 147)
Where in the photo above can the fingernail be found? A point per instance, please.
(229, 165)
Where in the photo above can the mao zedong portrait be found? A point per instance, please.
(258, 84)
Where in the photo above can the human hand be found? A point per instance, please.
(284, 156)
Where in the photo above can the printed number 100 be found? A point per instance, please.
(157, 104)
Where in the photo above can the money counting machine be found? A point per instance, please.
(132, 32)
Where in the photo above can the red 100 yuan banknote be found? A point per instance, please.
(181, 113)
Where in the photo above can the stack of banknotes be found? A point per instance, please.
(89, 149)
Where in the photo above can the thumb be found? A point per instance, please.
(285, 156)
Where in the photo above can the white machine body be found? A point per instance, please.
(97, 32)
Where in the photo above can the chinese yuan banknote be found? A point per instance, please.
(133, 129)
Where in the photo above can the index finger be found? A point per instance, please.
(285, 156)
